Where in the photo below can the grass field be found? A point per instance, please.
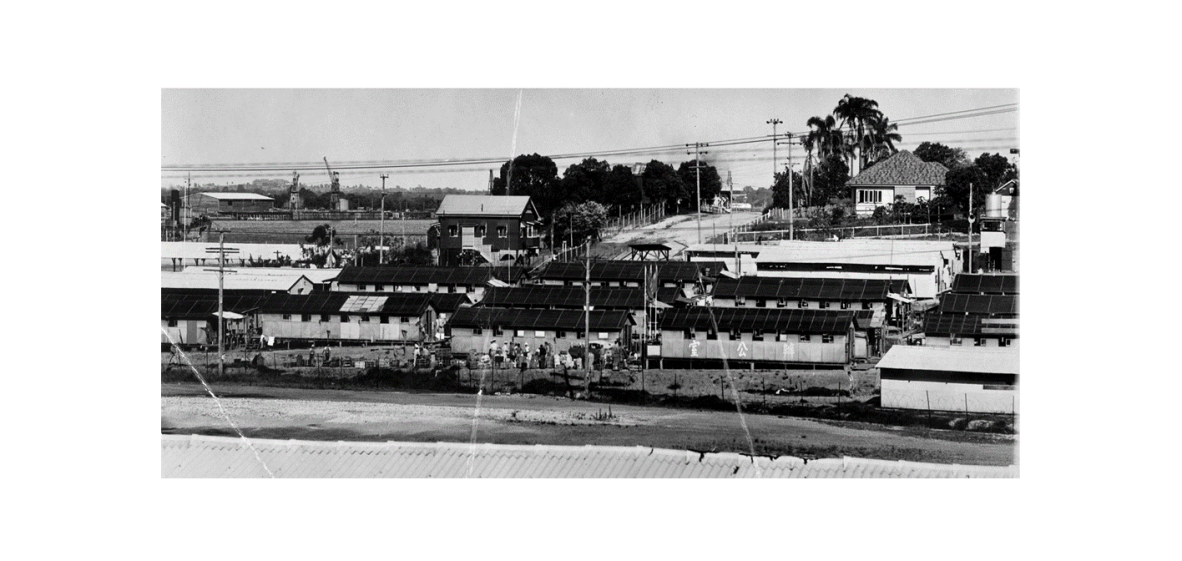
(294, 231)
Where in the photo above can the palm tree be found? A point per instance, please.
(882, 137)
(856, 114)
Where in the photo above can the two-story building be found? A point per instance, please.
(901, 175)
(483, 228)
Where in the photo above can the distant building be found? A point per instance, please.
(495, 228)
(979, 311)
(229, 203)
(336, 316)
(473, 329)
(690, 278)
(901, 175)
(702, 337)
(973, 380)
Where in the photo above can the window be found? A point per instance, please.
(172, 323)
(782, 337)
(560, 334)
(689, 334)
(825, 303)
(498, 332)
(481, 231)
(380, 287)
(306, 317)
(761, 303)
(477, 331)
(452, 231)
(742, 301)
(1003, 342)
(364, 318)
(711, 335)
(804, 337)
(782, 303)
(365, 287)
(404, 319)
(845, 305)
(287, 316)
(603, 335)
(827, 338)
(802, 304)
(978, 341)
(344, 318)
(502, 232)
(325, 317)
(869, 196)
(866, 305)
(953, 340)
(521, 332)
(539, 333)
(384, 319)
(736, 335)
(757, 335)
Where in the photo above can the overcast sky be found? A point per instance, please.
(238, 126)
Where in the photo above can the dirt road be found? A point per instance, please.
(682, 230)
(364, 415)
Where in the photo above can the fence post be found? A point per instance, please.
(928, 394)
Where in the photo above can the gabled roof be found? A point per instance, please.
(237, 196)
(538, 319)
(809, 288)
(484, 205)
(394, 303)
(230, 281)
(223, 456)
(467, 276)
(966, 283)
(791, 320)
(539, 296)
(681, 271)
(903, 168)
(952, 359)
(175, 305)
(978, 304)
(945, 325)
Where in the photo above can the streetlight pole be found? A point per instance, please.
(698, 168)
(382, 234)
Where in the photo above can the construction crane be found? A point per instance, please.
(294, 201)
(334, 193)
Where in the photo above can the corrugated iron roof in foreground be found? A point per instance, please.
(219, 456)
(989, 360)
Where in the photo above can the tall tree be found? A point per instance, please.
(780, 190)
(951, 158)
(662, 183)
(533, 175)
(621, 188)
(883, 134)
(830, 177)
(584, 181)
(996, 168)
(856, 115)
(711, 182)
(956, 189)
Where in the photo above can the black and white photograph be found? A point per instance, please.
(590, 283)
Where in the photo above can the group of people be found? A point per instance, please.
(519, 356)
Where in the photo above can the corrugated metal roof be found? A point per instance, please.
(487, 205)
(538, 319)
(810, 288)
(184, 456)
(887, 252)
(544, 297)
(903, 168)
(944, 325)
(240, 281)
(201, 306)
(466, 276)
(988, 360)
(979, 304)
(788, 320)
(967, 283)
(314, 275)
(394, 303)
(681, 271)
(237, 196)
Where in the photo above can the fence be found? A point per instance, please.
(747, 235)
(646, 215)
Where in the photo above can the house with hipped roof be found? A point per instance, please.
(901, 175)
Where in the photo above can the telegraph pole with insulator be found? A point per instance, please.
(382, 233)
(698, 169)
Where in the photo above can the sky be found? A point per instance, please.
(255, 126)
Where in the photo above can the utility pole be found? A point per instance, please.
(185, 207)
(698, 168)
(587, 316)
(791, 207)
(382, 234)
(221, 304)
(970, 228)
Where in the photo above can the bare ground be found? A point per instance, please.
(379, 416)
